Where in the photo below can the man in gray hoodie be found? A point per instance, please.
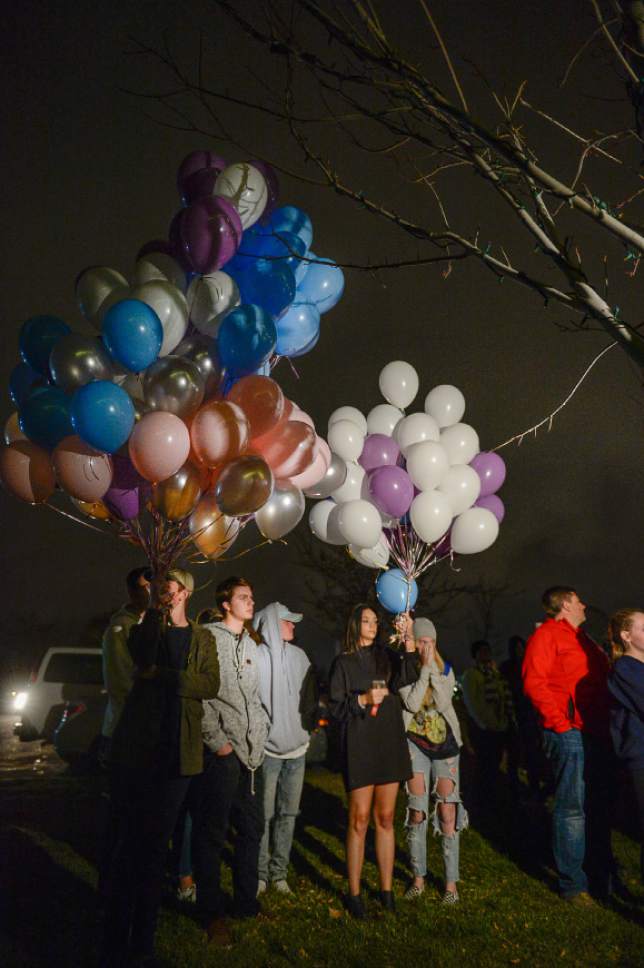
(284, 675)
(235, 726)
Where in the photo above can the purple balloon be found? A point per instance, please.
(273, 186)
(493, 503)
(123, 502)
(206, 234)
(378, 451)
(391, 490)
(196, 161)
(125, 474)
(199, 184)
(491, 469)
(155, 245)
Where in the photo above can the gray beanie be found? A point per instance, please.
(424, 628)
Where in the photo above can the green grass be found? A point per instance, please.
(508, 915)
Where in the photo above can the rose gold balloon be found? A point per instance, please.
(213, 531)
(219, 432)
(93, 509)
(244, 486)
(159, 445)
(12, 430)
(289, 449)
(312, 475)
(262, 401)
(80, 470)
(176, 497)
(26, 471)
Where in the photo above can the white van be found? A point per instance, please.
(64, 674)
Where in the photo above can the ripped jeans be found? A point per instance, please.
(432, 771)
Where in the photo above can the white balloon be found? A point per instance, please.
(209, 297)
(376, 557)
(93, 288)
(431, 515)
(427, 464)
(383, 419)
(446, 404)
(244, 186)
(398, 383)
(346, 439)
(461, 486)
(352, 414)
(159, 266)
(319, 522)
(359, 522)
(461, 443)
(351, 489)
(474, 530)
(170, 305)
(333, 533)
(414, 429)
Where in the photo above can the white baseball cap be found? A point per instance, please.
(288, 616)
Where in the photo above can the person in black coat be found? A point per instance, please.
(362, 697)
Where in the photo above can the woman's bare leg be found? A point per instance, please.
(359, 810)
(383, 814)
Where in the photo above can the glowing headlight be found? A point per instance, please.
(20, 701)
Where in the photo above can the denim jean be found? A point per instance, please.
(283, 782)
(432, 771)
(181, 851)
(581, 815)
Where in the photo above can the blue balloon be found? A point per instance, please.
(45, 417)
(22, 382)
(394, 592)
(288, 218)
(133, 334)
(246, 339)
(284, 246)
(103, 415)
(322, 284)
(37, 338)
(297, 329)
(270, 285)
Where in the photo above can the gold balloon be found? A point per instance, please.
(176, 496)
(93, 509)
(214, 532)
(244, 485)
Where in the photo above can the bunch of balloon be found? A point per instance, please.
(416, 490)
(164, 424)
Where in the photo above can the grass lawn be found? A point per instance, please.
(508, 915)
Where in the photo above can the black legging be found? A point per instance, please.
(637, 777)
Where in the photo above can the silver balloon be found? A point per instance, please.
(175, 385)
(335, 476)
(201, 350)
(77, 359)
(282, 512)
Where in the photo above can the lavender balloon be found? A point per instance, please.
(126, 494)
(391, 490)
(494, 504)
(491, 469)
(206, 234)
(378, 450)
(197, 161)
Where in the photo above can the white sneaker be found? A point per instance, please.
(282, 887)
(261, 887)
(187, 894)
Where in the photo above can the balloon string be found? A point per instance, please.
(72, 517)
(549, 419)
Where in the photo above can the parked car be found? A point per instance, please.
(64, 675)
(77, 739)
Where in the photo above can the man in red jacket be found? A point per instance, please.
(565, 677)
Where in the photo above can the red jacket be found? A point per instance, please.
(565, 677)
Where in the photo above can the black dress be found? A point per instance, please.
(374, 748)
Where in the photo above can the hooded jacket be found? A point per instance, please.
(118, 664)
(442, 684)
(236, 715)
(283, 670)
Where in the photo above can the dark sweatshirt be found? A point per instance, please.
(626, 685)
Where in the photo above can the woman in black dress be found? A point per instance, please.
(374, 748)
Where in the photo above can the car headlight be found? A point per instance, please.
(20, 701)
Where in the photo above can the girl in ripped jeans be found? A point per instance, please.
(434, 738)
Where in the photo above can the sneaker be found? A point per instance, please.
(282, 887)
(450, 897)
(261, 887)
(355, 906)
(187, 895)
(581, 900)
(413, 892)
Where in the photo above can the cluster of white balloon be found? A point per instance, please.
(416, 487)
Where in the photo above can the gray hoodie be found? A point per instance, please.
(282, 671)
(236, 715)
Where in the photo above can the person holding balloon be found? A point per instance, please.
(362, 697)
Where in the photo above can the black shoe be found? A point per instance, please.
(387, 900)
(355, 906)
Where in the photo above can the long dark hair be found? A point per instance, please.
(352, 639)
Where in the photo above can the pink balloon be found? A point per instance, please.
(83, 472)
(302, 417)
(26, 471)
(312, 474)
(321, 447)
(159, 445)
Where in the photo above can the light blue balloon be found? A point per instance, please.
(297, 329)
(45, 417)
(245, 340)
(102, 415)
(289, 218)
(133, 334)
(270, 285)
(394, 592)
(322, 284)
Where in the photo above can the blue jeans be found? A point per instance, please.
(581, 815)
(283, 782)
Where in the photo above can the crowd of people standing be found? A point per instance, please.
(208, 724)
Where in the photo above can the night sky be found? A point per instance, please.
(87, 179)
